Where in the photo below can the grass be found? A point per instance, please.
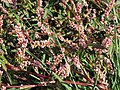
(59, 45)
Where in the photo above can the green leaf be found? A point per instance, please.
(67, 86)
(14, 50)
(46, 12)
(17, 18)
(4, 48)
(43, 58)
(56, 76)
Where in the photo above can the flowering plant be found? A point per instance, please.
(62, 44)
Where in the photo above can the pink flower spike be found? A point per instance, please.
(20, 53)
(1, 41)
(107, 42)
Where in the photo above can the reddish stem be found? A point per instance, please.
(18, 69)
(78, 83)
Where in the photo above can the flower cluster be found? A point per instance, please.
(72, 44)
(20, 36)
(1, 41)
(1, 72)
(61, 37)
(3, 88)
(1, 22)
(7, 1)
(107, 42)
(107, 11)
(41, 43)
(40, 10)
(73, 25)
(76, 62)
(66, 37)
(94, 13)
(82, 43)
(3, 9)
(109, 65)
(57, 59)
(109, 30)
(44, 29)
(79, 7)
(44, 43)
(101, 77)
(24, 64)
(64, 71)
(21, 53)
(118, 29)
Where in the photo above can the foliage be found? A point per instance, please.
(60, 44)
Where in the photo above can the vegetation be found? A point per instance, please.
(59, 45)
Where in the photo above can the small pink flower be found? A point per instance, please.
(39, 24)
(3, 88)
(37, 35)
(1, 41)
(77, 18)
(60, 37)
(79, 7)
(20, 53)
(1, 72)
(54, 68)
(107, 42)
(108, 9)
(48, 62)
(118, 29)
(45, 30)
(76, 62)
(72, 24)
(24, 64)
(94, 13)
(98, 50)
(20, 36)
(9, 1)
(40, 12)
(35, 44)
(44, 43)
(71, 44)
(43, 27)
(82, 43)
(40, 2)
(109, 65)
(24, 44)
(109, 29)
(69, 59)
(57, 59)
(64, 70)
(1, 21)
(17, 28)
